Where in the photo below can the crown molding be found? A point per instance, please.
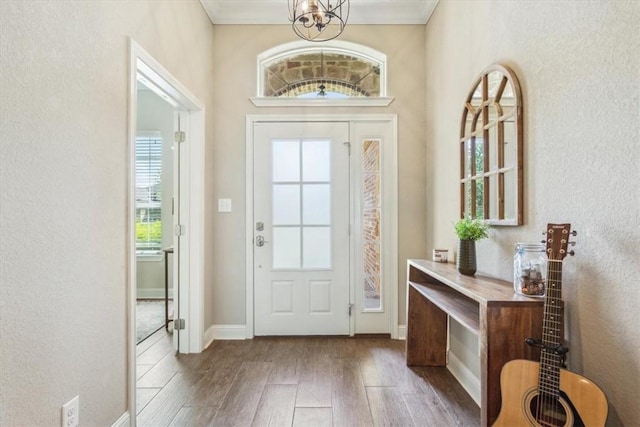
(363, 12)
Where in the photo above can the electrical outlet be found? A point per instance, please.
(71, 413)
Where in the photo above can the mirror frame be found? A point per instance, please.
(471, 114)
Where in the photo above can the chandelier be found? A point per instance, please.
(318, 20)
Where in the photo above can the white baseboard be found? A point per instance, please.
(152, 293)
(238, 332)
(208, 337)
(465, 377)
(402, 332)
(123, 421)
(227, 332)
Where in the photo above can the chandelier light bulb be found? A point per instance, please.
(318, 20)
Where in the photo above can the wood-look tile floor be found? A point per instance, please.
(295, 382)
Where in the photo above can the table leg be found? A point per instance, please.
(166, 290)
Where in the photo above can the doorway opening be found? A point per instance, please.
(154, 212)
(166, 192)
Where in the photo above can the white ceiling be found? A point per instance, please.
(277, 11)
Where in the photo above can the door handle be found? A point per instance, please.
(260, 241)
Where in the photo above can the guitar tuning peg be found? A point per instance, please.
(572, 243)
(574, 233)
(572, 253)
(544, 233)
(543, 241)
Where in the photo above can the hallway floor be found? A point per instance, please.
(295, 382)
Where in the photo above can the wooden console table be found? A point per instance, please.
(487, 307)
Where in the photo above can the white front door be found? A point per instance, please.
(301, 228)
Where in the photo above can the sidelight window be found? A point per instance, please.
(371, 212)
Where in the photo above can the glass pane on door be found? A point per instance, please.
(316, 204)
(286, 204)
(286, 161)
(316, 165)
(286, 247)
(317, 247)
(301, 204)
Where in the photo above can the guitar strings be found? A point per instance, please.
(548, 380)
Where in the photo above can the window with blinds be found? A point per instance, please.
(149, 194)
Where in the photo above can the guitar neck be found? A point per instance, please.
(552, 323)
(552, 331)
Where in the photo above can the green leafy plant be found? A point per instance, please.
(471, 229)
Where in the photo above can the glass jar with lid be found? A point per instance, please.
(530, 269)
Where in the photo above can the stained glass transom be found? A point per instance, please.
(321, 73)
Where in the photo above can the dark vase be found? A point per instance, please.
(466, 261)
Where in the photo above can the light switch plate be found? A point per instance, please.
(224, 205)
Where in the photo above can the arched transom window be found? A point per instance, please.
(333, 70)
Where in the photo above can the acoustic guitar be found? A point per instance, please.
(544, 394)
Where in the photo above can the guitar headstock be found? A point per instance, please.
(558, 241)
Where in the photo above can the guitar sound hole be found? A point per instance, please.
(548, 412)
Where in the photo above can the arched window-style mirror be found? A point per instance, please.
(491, 184)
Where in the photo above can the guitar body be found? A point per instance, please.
(582, 403)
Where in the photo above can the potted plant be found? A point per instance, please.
(469, 230)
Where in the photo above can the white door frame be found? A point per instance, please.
(390, 227)
(192, 214)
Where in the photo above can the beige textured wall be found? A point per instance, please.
(579, 67)
(63, 157)
(234, 81)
